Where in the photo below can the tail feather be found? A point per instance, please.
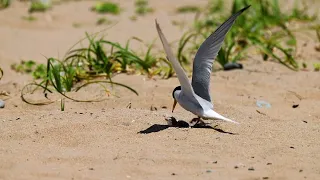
(214, 115)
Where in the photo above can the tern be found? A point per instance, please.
(195, 96)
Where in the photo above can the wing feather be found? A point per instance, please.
(183, 79)
(208, 51)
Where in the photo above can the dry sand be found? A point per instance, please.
(101, 140)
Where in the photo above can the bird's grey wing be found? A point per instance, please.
(207, 52)
(183, 79)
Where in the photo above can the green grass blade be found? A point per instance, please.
(34, 103)
(101, 81)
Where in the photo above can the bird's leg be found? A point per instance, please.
(197, 121)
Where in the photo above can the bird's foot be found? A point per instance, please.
(197, 122)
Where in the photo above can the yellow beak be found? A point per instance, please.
(174, 104)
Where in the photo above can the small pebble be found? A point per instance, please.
(129, 105)
(305, 121)
(295, 105)
(265, 178)
(251, 169)
(2, 103)
(215, 162)
(91, 169)
(236, 167)
(152, 108)
(231, 66)
(263, 104)
(300, 170)
(317, 47)
(269, 163)
(208, 171)
(291, 147)
(173, 174)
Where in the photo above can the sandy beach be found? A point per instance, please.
(103, 140)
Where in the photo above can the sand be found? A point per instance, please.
(102, 140)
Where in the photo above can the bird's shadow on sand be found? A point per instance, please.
(160, 127)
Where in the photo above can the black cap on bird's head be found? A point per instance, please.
(175, 101)
(176, 89)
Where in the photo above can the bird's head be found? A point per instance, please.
(175, 92)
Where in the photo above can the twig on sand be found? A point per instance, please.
(261, 112)
(297, 95)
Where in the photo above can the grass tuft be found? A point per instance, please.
(316, 66)
(188, 9)
(38, 71)
(106, 7)
(29, 18)
(142, 7)
(4, 3)
(85, 66)
(39, 6)
(263, 27)
(103, 20)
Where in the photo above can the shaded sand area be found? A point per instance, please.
(102, 141)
